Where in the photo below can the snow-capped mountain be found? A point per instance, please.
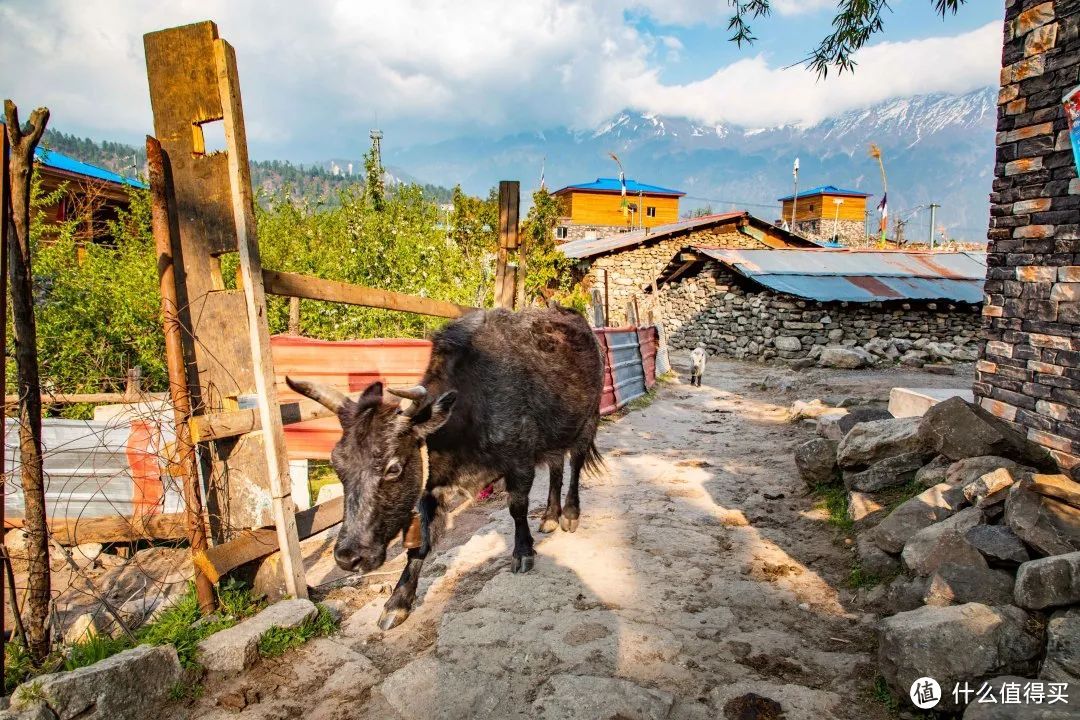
(937, 148)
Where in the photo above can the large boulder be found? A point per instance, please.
(928, 507)
(1014, 711)
(130, 685)
(966, 471)
(906, 593)
(887, 473)
(873, 560)
(982, 487)
(1062, 663)
(934, 472)
(845, 358)
(1058, 487)
(863, 510)
(957, 643)
(1048, 582)
(953, 584)
(998, 544)
(942, 543)
(816, 461)
(836, 426)
(1048, 525)
(870, 442)
(959, 429)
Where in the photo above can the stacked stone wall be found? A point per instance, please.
(734, 317)
(1029, 374)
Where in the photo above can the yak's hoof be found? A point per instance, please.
(521, 563)
(392, 617)
(568, 524)
(549, 525)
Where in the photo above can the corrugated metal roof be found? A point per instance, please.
(598, 246)
(633, 187)
(826, 190)
(860, 276)
(60, 161)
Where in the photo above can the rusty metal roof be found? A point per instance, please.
(588, 248)
(860, 276)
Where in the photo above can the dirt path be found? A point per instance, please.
(701, 572)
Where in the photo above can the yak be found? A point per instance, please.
(503, 393)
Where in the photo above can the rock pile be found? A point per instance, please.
(984, 559)
(729, 317)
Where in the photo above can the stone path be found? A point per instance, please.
(700, 572)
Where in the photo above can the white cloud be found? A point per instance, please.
(316, 74)
(753, 92)
(800, 7)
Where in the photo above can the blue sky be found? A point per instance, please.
(316, 74)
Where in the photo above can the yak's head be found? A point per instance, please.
(378, 460)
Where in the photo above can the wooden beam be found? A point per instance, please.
(92, 398)
(215, 426)
(313, 288)
(251, 545)
(73, 531)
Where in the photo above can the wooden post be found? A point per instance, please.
(273, 432)
(5, 218)
(174, 357)
(294, 316)
(509, 209)
(133, 388)
(22, 300)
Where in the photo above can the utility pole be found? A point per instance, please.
(933, 221)
(795, 196)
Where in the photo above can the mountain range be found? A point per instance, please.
(936, 148)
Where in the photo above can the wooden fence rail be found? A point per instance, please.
(313, 288)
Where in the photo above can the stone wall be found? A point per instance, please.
(1029, 372)
(851, 232)
(581, 232)
(731, 316)
(633, 269)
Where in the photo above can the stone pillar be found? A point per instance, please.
(1029, 373)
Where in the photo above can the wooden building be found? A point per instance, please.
(91, 194)
(827, 211)
(595, 209)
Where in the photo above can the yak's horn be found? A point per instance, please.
(411, 398)
(322, 394)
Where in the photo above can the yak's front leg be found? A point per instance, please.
(518, 484)
(400, 604)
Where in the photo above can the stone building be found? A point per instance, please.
(1029, 374)
(620, 266)
(825, 212)
(791, 304)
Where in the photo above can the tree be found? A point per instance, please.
(373, 179)
(549, 273)
(855, 22)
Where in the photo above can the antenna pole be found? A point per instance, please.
(933, 221)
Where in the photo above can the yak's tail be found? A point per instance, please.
(594, 461)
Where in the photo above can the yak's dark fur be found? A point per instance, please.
(505, 392)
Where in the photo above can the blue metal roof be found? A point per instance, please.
(826, 190)
(633, 187)
(860, 276)
(60, 161)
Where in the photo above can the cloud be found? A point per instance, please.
(753, 92)
(316, 75)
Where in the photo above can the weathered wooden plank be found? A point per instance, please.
(313, 288)
(205, 428)
(509, 209)
(262, 363)
(91, 398)
(73, 531)
(251, 545)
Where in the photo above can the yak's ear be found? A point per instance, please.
(432, 417)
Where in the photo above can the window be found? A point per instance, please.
(560, 233)
(650, 211)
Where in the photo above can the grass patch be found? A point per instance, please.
(277, 640)
(667, 378)
(186, 691)
(320, 474)
(834, 499)
(892, 497)
(883, 695)
(181, 625)
(859, 578)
